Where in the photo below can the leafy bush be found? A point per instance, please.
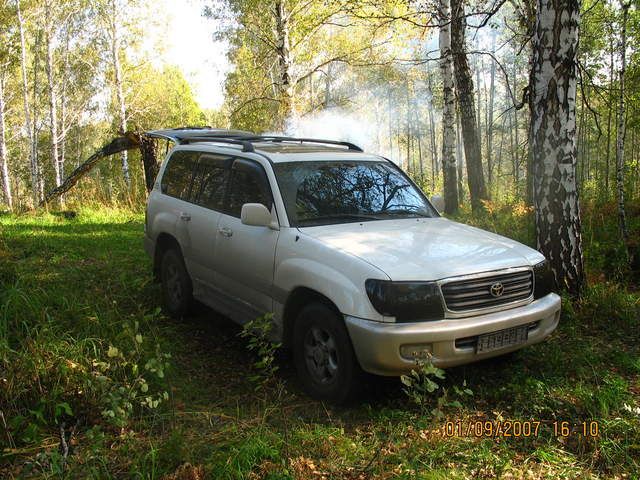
(422, 383)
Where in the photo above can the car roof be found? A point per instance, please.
(288, 152)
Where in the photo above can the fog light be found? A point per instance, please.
(410, 352)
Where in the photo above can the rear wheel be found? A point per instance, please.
(323, 355)
(177, 290)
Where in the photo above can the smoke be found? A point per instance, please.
(336, 124)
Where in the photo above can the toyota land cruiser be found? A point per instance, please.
(357, 266)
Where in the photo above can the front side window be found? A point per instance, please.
(324, 193)
(176, 179)
(249, 184)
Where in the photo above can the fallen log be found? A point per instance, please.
(128, 141)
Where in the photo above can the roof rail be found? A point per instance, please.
(275, 138)
(246, 146)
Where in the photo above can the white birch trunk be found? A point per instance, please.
(553, 130)
(450, 182)
(283, 52)
(118, 84)
(53, 95)
(622, 215)
(33, 166)
(4, 161)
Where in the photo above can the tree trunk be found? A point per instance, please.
(327, 85)
(467, 108)
(149, 160)
(432, 132)
(408, 120)
(33, 166)
(459, 159)
(553, 130)
(284, 61)
(622, 216)
(609, 117)
(63, 105)
(53, 95)
(117, 78)
(4, 167)
(450, 182)
(34, 125)
(117, 145)
(491, 100)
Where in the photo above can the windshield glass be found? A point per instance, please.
(324, 193)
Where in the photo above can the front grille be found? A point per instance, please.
(474, 294)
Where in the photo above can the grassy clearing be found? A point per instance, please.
(83, 346)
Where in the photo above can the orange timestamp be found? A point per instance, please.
(564, 428)
(491, 428)
(516, 428)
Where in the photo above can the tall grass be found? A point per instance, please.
(83, 345)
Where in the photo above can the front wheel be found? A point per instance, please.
(323, 355)
(177, 289)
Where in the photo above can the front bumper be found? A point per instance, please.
(377, 345)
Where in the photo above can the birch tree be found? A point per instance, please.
(33, 166)
(49, 35)
(467, 107)
(448, 112)
(553, 139)
(113, 14)
(283, 54)
(622, 216)
(7, 50)
(4, 160)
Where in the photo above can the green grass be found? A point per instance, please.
(74, 290)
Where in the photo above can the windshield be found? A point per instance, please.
(324, 193)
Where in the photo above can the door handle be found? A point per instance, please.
(185, 216)
(225, 232)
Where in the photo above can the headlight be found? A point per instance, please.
(543, 281)
(407, 301)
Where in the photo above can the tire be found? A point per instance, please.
(323, 355)
(177, 289)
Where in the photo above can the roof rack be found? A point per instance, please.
(246, 146)
(179, 135)
(185, 135)
(275, 138)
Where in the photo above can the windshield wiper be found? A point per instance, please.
(338, 216)
(404, 212)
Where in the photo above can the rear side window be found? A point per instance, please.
(249, 184)
(176, 179)
(210, 181)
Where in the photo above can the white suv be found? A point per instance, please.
(358, 268)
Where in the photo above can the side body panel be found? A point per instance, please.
(302, 261)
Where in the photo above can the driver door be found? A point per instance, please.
(245, 254)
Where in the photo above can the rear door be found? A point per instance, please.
(174, 201)
(207, 197)
(245, 254)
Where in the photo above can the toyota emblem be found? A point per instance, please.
(496, 290)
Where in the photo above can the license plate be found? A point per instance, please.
(502, 338)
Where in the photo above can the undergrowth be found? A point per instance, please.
(88, 360)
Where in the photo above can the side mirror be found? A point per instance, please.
(255, 214)
(438, 202)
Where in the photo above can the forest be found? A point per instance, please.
(524, 115)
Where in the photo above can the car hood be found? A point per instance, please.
(425, 248)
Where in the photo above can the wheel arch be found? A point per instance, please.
(164, 242)
(296, 301)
